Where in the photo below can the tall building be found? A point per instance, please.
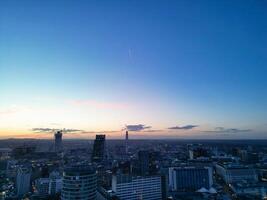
(236, 173)
(190, 178)
(58, 141)
(128, 187)
(143, 157)
(98, 154)
(126, 142)
(147, 165)
(23, 181)
(79, 182)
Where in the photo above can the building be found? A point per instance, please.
(128, 187)
(98, 154)
(49, 186)
(23, 181)
(55, 183)
(42, 186)
(147, 162)
(236, 173)
(79, 182)
(198, 152)
(58, 141)
(143, 157)
(126, 142)
(190, 178)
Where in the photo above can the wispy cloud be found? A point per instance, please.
(136, 127)
(186, 127)
(99, 104)
(228, 130)
(51, 130)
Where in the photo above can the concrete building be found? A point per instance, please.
(190, 178)
(128, 187)
(236, 173)
(23, 181)
(79, 182)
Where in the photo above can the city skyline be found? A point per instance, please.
(175, 70)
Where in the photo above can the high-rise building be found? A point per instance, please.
(147, 165)
(190, 178)
(98, 154)
(143, 157)
(58, 141)
(128, 187)
(79, 182)
(126, 142)
(23, 181)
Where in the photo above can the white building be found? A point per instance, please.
(134, 188)
(23, 181)
(49, 186)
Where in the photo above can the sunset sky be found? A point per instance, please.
(161, 69)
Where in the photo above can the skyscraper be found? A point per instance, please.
(98, 154)
(58, 141)
(126, 142)
(79, 182)
(23, 181)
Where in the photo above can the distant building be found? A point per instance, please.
(23, 181)
(197, 152)
(126, 142)
(190, 178)
(79, 182)
(236, 173)
(128, 187)
(98, 154)
(58, 141)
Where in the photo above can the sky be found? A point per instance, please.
(160, 69)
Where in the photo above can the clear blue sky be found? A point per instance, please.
(98, 65)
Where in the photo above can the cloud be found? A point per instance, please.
(186, 127)
(137, 127)
(228, 130)
(51, 130)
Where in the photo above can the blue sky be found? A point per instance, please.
(95, 65)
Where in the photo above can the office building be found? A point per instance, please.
(58, 141)
(126, 142)
(128, 187)
(98, 154)
(23, 181)
(42, 186)
(55, 183)
(190, 178)
(236, 173)
(79, 182)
